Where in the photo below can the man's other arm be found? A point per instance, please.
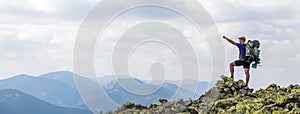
(230, 41)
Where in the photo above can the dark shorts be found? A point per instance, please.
(242, 63)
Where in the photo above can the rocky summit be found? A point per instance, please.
(228, 96)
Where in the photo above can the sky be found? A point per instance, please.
(37, 37)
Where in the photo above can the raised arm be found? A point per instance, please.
(230, 41)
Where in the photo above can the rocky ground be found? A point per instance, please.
(228, 96)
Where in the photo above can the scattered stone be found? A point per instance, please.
(163, 101)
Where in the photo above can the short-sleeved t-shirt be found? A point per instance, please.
(242, 50)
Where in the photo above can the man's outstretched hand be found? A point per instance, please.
(229, 40)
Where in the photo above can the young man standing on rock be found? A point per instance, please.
(242, 54)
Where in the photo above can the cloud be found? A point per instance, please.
(275, 24)
(298, 56)
(151, 52)
(35, 34)
(236, 10)
(43, 12)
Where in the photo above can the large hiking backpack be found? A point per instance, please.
(253, 52)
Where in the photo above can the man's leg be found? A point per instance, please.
(232, 69)
(247, 75)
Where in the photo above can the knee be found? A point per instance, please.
(247, 71)
(232, 64)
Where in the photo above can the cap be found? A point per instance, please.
(242, 37)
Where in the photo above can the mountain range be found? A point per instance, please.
(59, 89)
(16, 102)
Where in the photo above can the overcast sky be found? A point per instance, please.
(37, 36)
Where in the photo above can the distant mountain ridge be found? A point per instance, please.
(16, 102)
(59, 88)
(54, 92)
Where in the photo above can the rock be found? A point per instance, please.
(163, 101)
(225, 103)
(241, 84)
(153, 106)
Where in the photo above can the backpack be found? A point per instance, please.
(253, 52)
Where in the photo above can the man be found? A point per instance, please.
(242, 54)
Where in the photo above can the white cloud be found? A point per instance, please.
(236, 10)
(298, 56)
(12, 55)
(34, 34)
(47, 6)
